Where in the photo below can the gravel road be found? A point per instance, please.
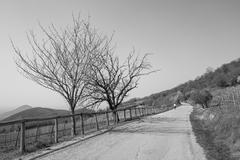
(166, 136)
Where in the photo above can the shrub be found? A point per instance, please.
(238, 79)
(221, 81)
(202, 97)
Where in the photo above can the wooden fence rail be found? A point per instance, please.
(85, 122)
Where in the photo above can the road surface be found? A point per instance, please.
(166, 136)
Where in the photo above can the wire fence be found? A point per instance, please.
(227, 99)
(32, 134)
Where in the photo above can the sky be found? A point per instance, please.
(184, 36)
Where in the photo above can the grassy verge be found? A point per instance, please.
(206, 136)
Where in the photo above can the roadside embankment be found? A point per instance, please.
(217, 131)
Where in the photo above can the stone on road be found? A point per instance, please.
(165, 136)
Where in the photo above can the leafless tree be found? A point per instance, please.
(61, 60)
(110, 81)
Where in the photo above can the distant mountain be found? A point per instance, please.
(12, 112)
(39, 112)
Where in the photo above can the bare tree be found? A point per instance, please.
(61, 60)
(110, 81)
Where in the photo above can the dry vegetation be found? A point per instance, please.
(218, 127)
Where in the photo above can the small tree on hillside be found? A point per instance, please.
(110, 81)
(61, 60)
(238, 79)
(220, 81)
(202, 97)
(178, 98)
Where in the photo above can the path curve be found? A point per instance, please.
(165, 136)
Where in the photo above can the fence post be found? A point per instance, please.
(130, 113)
(107, 118)
(5, 138)
(234, 103)
(82, 124)
(124, 113)
(222, 101)
(22, 137)
(52, 133)
(97, 125)
(64, 128)
(17, 136)
(37, 130)
(56, 130)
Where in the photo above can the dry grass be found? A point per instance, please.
(219, 126)
(205, 137)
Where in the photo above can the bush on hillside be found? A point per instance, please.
(179, 97)
(238, 79)
(221, 81)
(202, 97)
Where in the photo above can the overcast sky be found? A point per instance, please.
(186, 37)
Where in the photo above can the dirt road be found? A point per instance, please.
(166, 136)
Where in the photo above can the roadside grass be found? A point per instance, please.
(206, 136)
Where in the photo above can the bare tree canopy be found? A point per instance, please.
(61, 60)
(80, 65)
(110, 81)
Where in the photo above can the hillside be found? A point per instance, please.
(225, 76)
(15, 111)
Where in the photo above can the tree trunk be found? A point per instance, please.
(115, 116)
(203, 106)
(73, 132)
(206, 105)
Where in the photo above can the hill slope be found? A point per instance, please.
(222, 77)
(15, 111)
(37, 112)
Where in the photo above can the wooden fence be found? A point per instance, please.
(30, 134)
